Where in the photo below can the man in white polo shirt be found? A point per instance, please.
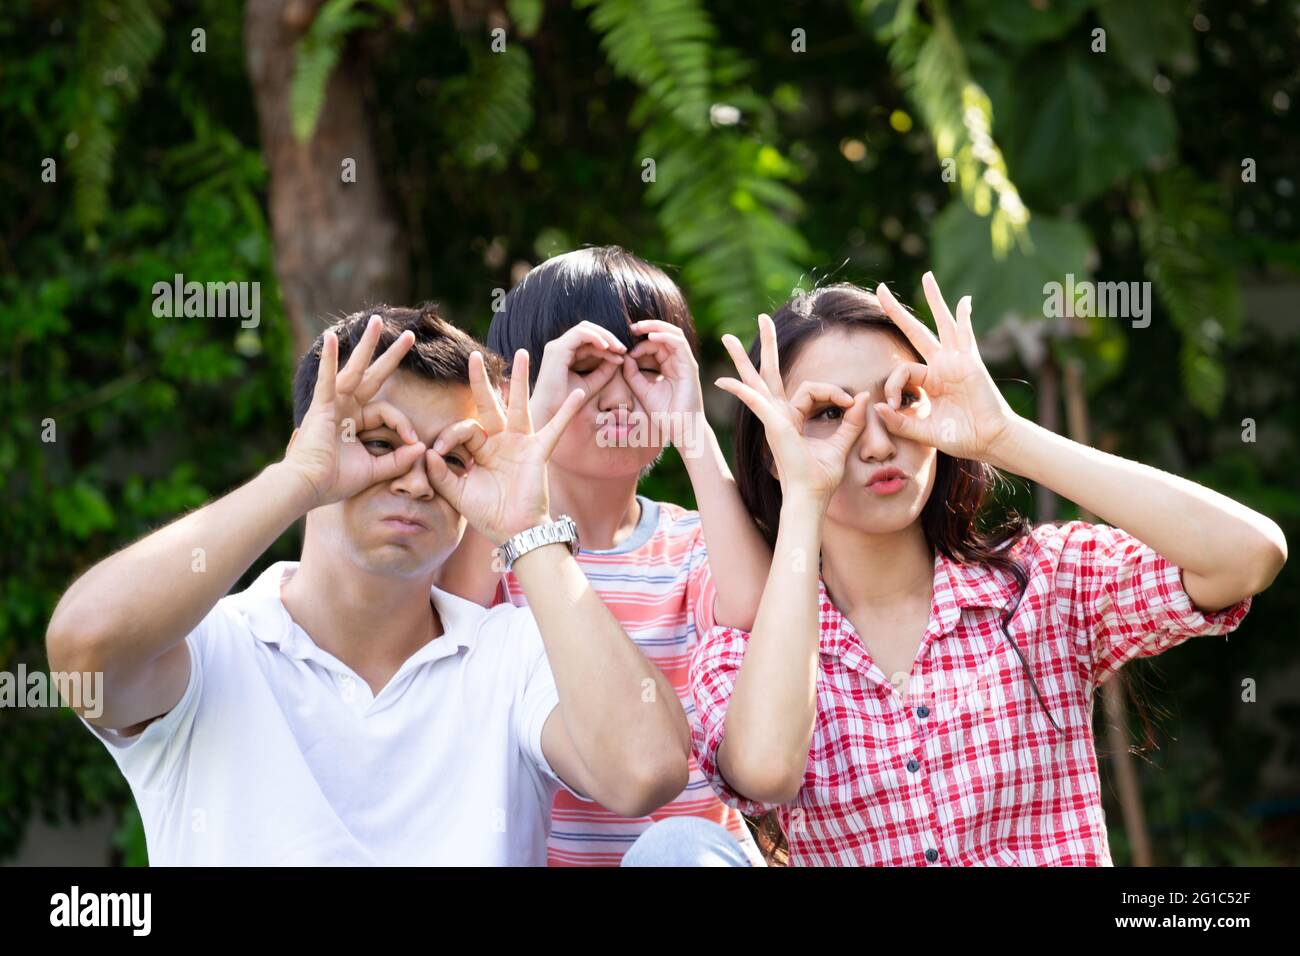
(342, 710)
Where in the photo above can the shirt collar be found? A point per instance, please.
(956, 586)
(269, 621)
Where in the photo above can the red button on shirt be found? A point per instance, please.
(992, 781)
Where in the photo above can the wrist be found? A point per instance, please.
(531, 519)
(291, 484)
(696, 442)
(1005, 449)
(562, 531)
(803, 502)
(539, 558)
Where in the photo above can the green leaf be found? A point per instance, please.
(1073, 128)
(1205, 383)
(664, 47)
(489, 108)
(1027, 23)
(1144, 35)
(1186, 236)
(1010, 288)
(316, 55)
(117, 44)
(726, 221)
(933, 68)
(81, 510)
(526, 15)
(719, 194)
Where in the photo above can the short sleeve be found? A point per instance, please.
(152, 759)
(538, 699)
(502, 593)
(701, 592)
(714, 666)
(1125, 599)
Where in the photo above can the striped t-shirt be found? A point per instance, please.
(657, 584)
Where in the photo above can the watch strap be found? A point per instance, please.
(562, 530)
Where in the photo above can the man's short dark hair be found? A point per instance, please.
(440, 354)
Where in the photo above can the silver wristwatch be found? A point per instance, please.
(561, 530)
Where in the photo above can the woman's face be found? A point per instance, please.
(887, 480)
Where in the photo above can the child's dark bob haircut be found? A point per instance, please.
(605, 285)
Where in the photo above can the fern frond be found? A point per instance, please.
(489, 108)
(317, 53)
(664, 47)
(118, 42)
(719, 194)
(956, 111)
(723, 209)
(526, 15)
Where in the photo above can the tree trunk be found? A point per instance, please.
(1049, 399)
(338, 246)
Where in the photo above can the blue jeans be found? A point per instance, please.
(685, 841)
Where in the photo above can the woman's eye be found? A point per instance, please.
(908, 398)
(455, 462)
(379, 446)
(649, 371)
(830, 413)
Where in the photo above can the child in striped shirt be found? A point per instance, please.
(603, 320)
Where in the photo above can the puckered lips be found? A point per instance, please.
(886, 481)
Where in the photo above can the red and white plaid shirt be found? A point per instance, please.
(961, 766)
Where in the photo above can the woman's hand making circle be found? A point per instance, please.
(965, 415)
(809, 463)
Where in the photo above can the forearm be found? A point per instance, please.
(774, 703)
(621, 713)
(729, 530)
(1226, 550)
(135, 605)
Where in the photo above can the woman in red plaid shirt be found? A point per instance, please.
(927, 697)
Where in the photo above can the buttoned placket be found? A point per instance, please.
(352, 689)
(356, 693)
(265, 615)
(858, 658)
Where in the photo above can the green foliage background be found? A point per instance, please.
(1122, 166)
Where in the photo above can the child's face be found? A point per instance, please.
(860, 361)
(611, 436)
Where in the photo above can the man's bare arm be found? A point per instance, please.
(622, 737)
(127, 617)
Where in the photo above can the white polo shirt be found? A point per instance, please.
(278, 753)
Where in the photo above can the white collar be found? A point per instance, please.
(266, 617)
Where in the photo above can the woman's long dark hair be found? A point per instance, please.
(951, 515)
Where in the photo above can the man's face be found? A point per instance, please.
(401, 526)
